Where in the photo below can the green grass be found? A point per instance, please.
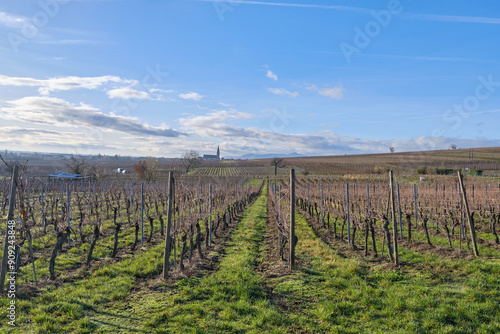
(333, 290)
(62, 309)
(230, 300)
(436, 295)
(253, 182)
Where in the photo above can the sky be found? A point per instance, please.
(316, 77)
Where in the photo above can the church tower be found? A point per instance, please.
(218, 153)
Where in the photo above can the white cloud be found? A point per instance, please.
(127, 93)
(58, 112)
(159, 94)
(32, 138)
(215, 126)
(212, 124)
(282, 91)
(271, 75)
(336, 93)
(191, 96)
(63, 83)
(214, 117)
(158, 90)
(13, 21)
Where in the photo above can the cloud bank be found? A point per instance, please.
(58, 112)
(191, 96)
(45, 86)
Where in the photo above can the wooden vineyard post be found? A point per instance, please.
(28, 234)
(142, 214)
(292, 219)
(400, 215)
(210, 215)
(394, 222)
(279, 211)
(307, 195)
(485, 193)
(415, 194)
(43, 211)
(461, 215)
(467, 211)
(201, 197)
(166, 254)
(322, 220)
(90, 195)
(348, 215)
(68, 211)
(367, 200)
(10, 216)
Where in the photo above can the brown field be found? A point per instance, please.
(403, 163)
(486, 159)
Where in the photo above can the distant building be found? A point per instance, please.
(209, 157)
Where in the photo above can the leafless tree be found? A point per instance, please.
(77, 165)
(392, 149)
(147, 169)
(96, 171)
(277, 163)
(190, 160)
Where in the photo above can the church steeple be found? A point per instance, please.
(218, 153)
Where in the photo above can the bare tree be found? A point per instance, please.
(190, 160)
(96, 171)
(453, 147)
(76, 165)
(147, 169)
(277, 163)
(392, 149)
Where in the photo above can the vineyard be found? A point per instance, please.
(234, 253)
(237, 171)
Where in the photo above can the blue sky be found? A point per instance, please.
(321, 77)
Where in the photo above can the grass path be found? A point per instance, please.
(231, 300)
